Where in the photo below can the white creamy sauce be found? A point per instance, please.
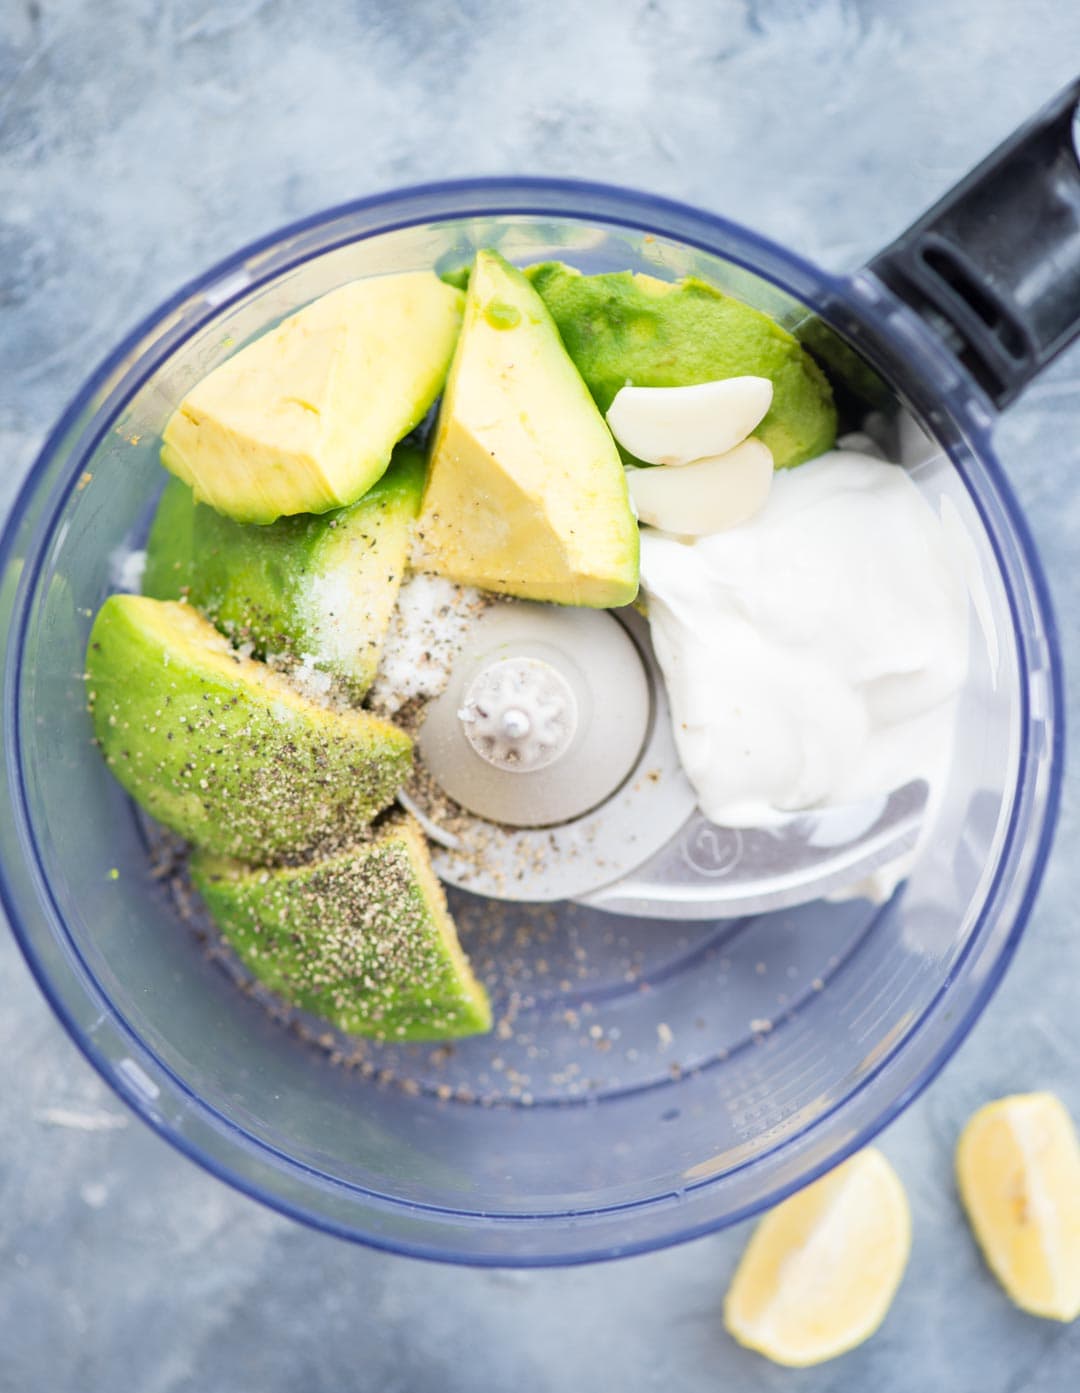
(812, 655)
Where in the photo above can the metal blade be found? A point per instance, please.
(711, 872)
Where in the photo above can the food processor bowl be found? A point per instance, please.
(647, 1080)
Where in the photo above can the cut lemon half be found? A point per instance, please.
(821, 1270)
(1018, 1169)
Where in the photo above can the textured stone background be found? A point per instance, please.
(142, 139)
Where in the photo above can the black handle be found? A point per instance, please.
(994, 267)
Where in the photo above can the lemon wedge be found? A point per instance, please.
(820, 1272)
(1018, 1169)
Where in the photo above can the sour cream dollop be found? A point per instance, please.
(812, 655)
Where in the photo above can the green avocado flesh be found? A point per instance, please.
(622, 328)
(362, 938)
(222, 749)
(316, 589)
(458, 277)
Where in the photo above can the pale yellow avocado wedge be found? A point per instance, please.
(525, 494)
(821, 1270)
(304, 419)
(1018, 1171)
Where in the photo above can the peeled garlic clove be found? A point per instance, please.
(675, 425)
(709, 495)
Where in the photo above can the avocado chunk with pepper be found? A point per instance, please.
(362, 938)
(224, 750)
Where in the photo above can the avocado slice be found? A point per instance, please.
(362, 938)
(303, 419)
(315, 589)
(224, 750)
(525, 492)
(622, 328)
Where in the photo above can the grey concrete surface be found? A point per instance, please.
(142, 139)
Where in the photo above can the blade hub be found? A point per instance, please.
(520, 714)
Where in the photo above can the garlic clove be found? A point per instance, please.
(675, 425)
(709, 495)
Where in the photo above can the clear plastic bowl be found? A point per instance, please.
(652, 1081)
